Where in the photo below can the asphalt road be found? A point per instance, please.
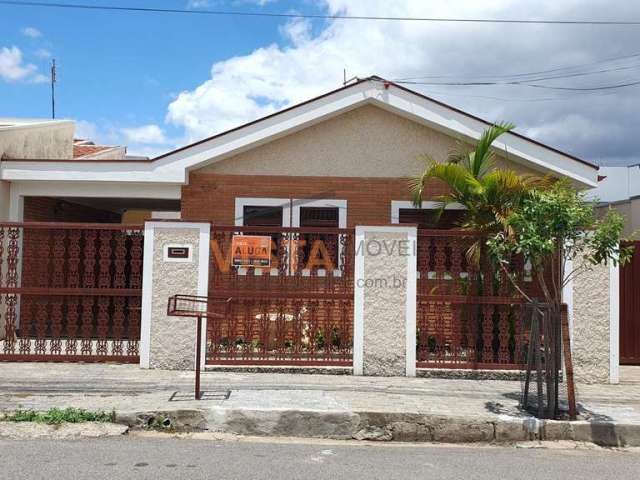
(176, 459)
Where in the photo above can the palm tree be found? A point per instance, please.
(487, 194)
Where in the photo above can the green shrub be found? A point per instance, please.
(56, 416)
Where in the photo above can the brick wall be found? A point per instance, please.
(47, 209)
(211, 197)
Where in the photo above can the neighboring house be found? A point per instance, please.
(53, 140)
(619, 188)
(348, 152)
(87, 150)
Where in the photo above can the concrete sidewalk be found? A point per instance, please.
(332, 406)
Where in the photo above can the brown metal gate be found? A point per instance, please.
(70, 291)
(630, 310)
(297, 311)
(467, 316)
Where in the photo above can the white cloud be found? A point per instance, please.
(197, 4)
(39, 78)
(31, 32)
(43, 53)
(145, 134)
(86, 130)
(12, 67)
(260, 3)
(309, 62)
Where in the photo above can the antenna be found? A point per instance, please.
(53, 88)
(345, 79)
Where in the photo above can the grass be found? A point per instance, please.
(57, 416)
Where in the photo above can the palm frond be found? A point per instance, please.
(460, 154)
(457, 178)
(482, 159)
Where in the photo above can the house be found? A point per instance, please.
(349, 150)
(619, 189)
(311, 171)
(53, 140)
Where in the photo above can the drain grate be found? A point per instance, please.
(205, 395)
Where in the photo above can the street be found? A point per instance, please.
(159, 457)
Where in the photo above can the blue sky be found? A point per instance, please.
(121, 69)
(158, 81)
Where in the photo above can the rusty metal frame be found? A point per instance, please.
(200, 308)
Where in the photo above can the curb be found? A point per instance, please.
(382, 426)
(64, 431)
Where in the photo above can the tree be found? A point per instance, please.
(487, 194)
(558, 221)
(550, 228)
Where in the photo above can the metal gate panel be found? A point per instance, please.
(297, 311)
(70, 291)
(630, 310)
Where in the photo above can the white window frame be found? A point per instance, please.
(299, 203)
(242, 202)
(396, 205)
(341, 205)
(291, 216)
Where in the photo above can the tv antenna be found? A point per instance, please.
(53, 88)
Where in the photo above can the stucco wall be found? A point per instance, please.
(630, 209)
(5, 188)
(365, 142)
(172, 341)
(591, 325)
(49, 141)
(384, 312)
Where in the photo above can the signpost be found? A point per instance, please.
(198, 308)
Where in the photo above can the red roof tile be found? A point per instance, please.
(84, 150)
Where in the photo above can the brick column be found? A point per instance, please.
(385, 301)
(169, 342)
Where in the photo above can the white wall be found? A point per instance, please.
(620, 183)
(38, 140)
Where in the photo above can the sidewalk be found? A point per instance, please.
(332, 406)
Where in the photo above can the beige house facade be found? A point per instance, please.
(338, 162)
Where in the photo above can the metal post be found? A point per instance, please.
(198, 345)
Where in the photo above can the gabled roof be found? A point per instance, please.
(387, 84)
(173, 166)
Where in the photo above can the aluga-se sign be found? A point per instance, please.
(251, 251)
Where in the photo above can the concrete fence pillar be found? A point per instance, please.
(384, 342)
(594, 311)
(176, 261)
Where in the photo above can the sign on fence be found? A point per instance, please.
(251, 251)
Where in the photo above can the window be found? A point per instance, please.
(404, 212)
(261, 216)
(268, 212)
(320, 217)
(427, 218)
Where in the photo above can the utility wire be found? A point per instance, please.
(539, 72)
(584, 89)
(497, 79)
(82, 6)
(524, 83)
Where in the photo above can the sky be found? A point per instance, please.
(156, 81)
